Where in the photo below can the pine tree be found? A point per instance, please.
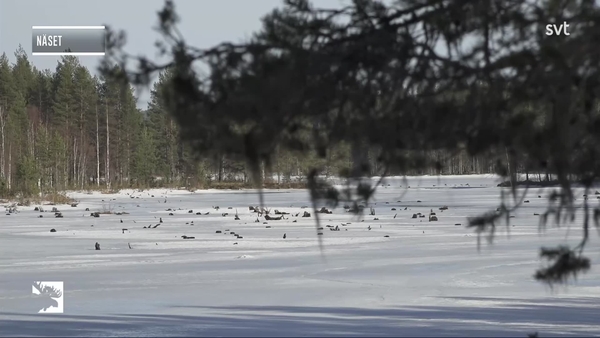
(27, 176)
(63, 103)
(144, 159)
(84, 99)
(7, 98)
(164, 130)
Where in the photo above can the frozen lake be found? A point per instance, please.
(425, 279)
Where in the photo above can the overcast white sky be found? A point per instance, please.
(204, 23)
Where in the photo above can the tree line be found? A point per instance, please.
(68, 129)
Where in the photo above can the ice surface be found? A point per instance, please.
(426, 278)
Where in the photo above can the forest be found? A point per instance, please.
(66, 129)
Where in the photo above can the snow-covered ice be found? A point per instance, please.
(426, 278)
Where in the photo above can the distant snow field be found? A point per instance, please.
(387, 274)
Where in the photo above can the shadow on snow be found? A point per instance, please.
(515, 318)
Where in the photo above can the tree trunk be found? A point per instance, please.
(9, 180)
(107, 173)
(97, 148)
(220, 174)
(508, 163)
(359, 155)
(80, 175)
(2, 152)
(75, 150)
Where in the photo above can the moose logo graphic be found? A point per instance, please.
(50, 296)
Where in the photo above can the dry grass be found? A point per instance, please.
(286, 185)
(244, 185)
(107, 209)
(59, 198)
(48, 199)
(24, 202)
(228, 185)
